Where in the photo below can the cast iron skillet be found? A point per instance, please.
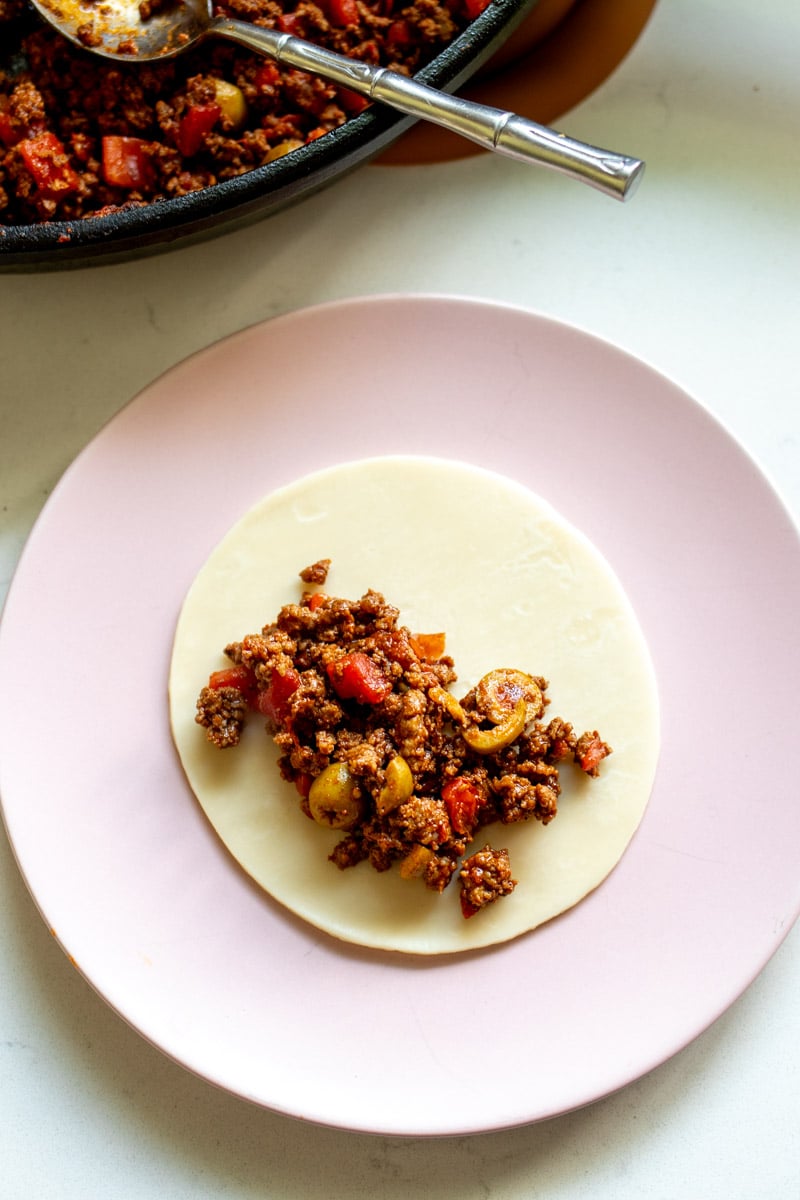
(135, 232)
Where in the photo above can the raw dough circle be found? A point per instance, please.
(456, 549)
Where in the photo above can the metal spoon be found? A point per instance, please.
(114, 29)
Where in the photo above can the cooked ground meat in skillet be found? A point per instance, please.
(83, 136)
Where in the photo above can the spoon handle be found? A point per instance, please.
(616, 175)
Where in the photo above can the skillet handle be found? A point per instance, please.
(616, 175)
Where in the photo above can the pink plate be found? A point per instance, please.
(135, 884)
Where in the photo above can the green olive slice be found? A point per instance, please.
(448, 702)
(498, 693)
(415, 862)
(398, 785)
(488, 741)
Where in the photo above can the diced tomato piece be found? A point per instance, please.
(126, 163)
(467, 909)
(273, 701)
(315, 600)
(593, 754)
(462, 799)
(47, 161)
(352, 102)
(195, 124)
(355, 676)
(474, 8)
(343, 12)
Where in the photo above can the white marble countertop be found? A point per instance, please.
(698, 276)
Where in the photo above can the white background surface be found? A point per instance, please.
(699, 276)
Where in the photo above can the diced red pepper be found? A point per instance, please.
(355, 676)
(315, 600)
(467, 909)
(240, 677)
(399, 33)
(429, 646)
(288, 23)
(351, 101)
(273, 701)
(195, 124)
(462, 799)
(474, 8)
(343, 12)
(593, 754)
(268, 74)
(47, 161)
(126, 163)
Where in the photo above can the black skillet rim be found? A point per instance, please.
(132, 233)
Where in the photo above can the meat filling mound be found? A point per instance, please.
(379, 748)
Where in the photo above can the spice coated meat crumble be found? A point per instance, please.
(380, 749)
(83, 136)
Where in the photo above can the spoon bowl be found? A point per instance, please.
(116, 29)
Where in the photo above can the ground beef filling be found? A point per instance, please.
(379, 748)
(82, 136)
